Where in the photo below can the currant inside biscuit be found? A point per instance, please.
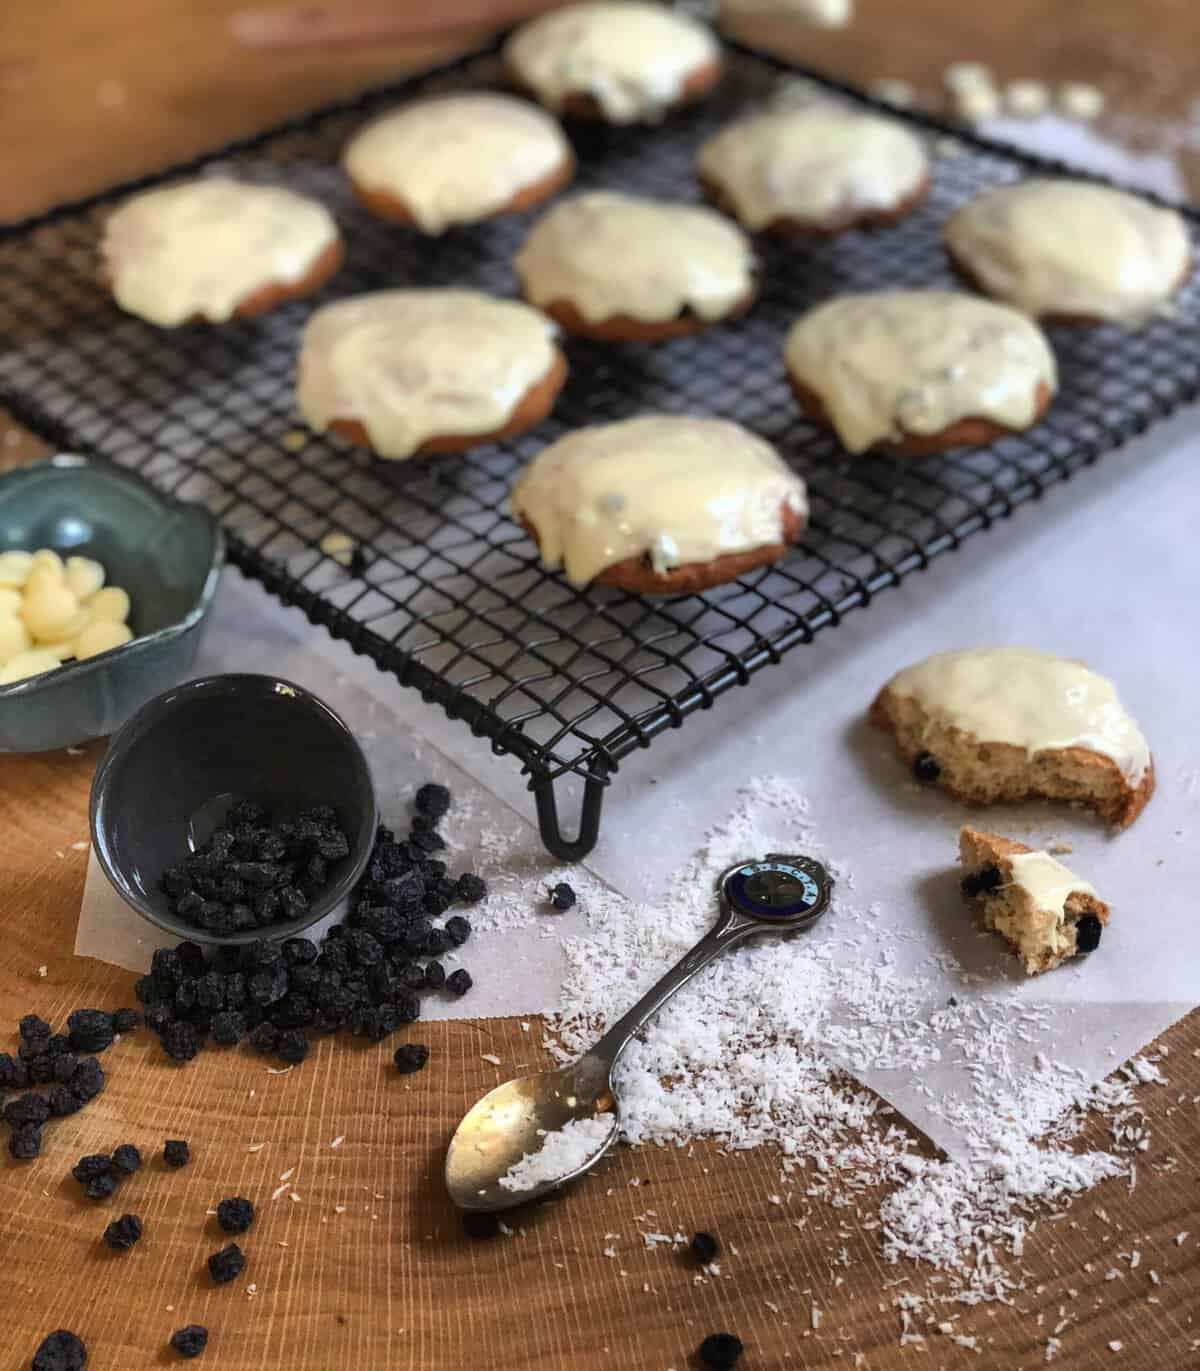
(615, 266)
(660, 504)
(458, 159)
(919, 370)
(214, 249)
(821, 168)
(1039, 907)
(998, 725)
(625, 63)
(1071, 250)
(406, 372)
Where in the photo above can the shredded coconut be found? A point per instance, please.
(753, 1051)
(562, 1151)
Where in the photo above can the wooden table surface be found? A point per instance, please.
(368, 1267)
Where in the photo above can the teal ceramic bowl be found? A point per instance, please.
(165, 553)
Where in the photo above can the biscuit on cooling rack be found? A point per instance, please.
(215, 249)
(819, 169)
(621, 267)
(410, 372)
(1071, 251)
(622, 63)
(919, 371)
(660, 505)
(458, 159)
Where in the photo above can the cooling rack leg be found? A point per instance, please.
(570, 849)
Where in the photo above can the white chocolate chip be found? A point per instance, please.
(14, 638)
(1026, 99)
(47, 557)
(101, 636)
(48, 611)
(339, 546)
(26, 664)
(960, 76)
(84, 577)
(42, 576)
(111, 603)
(61, 650)
(51, 611)
(1080, 100)
(898, 93)
(67, 633)
(976, 103)
(15, 568)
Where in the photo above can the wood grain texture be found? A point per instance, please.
(369, 1267)
(389, 1281)
(90, 95)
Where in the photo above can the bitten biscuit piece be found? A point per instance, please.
(1043, 911)
(623, 63)
(1003, 724)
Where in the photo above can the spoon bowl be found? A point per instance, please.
(512, 1121)
(778, 894)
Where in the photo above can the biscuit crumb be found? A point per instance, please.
(339, 546)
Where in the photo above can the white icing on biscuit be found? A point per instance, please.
(632, 59)
(608, 253)
(890, 363)
(457, 158)
(411, 365)
(1070, 247)
(203, 247)
(821, 164)
(1047, 883)
(679, 490)
(1028, 699)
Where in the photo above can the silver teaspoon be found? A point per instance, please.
(516, 1120)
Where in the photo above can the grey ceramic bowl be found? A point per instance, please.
(171, 771)
(165, 553)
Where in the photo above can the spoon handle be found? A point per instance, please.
(725, 933)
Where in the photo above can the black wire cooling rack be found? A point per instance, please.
(454, 601)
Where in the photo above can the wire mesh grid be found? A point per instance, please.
(454, 600)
